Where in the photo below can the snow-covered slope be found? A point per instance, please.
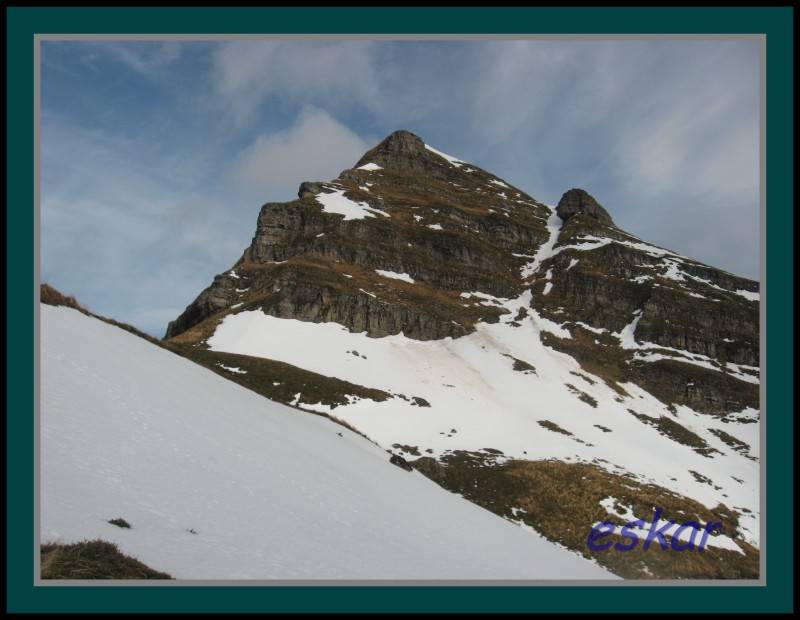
(479, 400)
(220, 483)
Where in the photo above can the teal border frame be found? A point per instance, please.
(23, 23)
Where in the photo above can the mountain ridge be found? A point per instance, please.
(530, 330)
(446, 240)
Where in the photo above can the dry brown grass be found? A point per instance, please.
(552, 426)
(92, 559)
(676, 432)
(738, 445)
(52, 297)
(605, 360)
(279, 381)
(562, 502)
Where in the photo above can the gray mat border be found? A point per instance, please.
(762, 581)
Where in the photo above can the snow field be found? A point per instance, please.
(131, 430)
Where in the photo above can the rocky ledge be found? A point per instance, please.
(446, 229)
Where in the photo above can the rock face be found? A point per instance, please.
(405, 153)
(446, 225)
(309, 188)
(580, 202)
(686, 331)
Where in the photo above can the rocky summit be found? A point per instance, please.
(509, 349)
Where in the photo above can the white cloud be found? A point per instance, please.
(516, 82)
(325, 73)
(316, 148)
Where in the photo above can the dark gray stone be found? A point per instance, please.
(295, 263)
(310, 188)
(578, 201)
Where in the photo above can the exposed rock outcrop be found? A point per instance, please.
(453, 229)
(580, 202)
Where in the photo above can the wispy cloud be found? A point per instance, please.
(150, 59)
(246, 73)
(315, 147)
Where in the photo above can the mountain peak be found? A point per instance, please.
(578, 201)
(404, 152)
(400, 143)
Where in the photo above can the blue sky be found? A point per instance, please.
(156, 156)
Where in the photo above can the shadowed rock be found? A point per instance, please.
(400, 462)
(310, 188)
(405, 153)
(579, 201)
(456, 228)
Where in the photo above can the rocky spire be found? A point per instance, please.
(578, 201)
(398, 146)
(404, 152)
